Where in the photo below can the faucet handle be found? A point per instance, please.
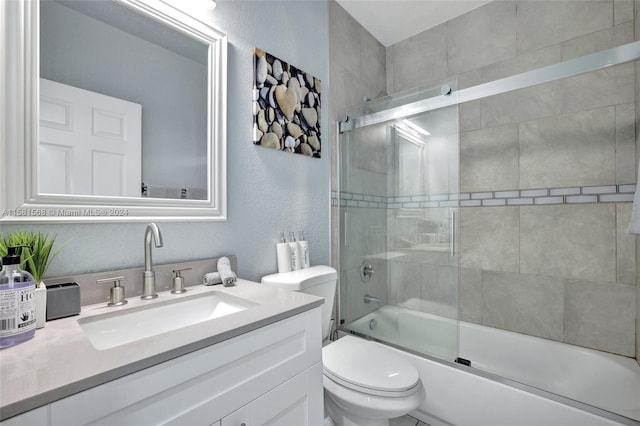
(116, 293)
(178, 281)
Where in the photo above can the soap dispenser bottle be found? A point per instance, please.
(17, 304)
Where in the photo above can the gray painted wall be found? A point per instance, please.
(267, 189)
(170, 87)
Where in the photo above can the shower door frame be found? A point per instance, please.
(588, 63)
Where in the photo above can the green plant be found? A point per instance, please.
(36, 251)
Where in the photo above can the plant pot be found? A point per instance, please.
(41, 305)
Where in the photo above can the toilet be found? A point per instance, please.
(365, 383)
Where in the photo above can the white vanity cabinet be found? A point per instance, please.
(269, 375)
(36, 417)
(286, 405)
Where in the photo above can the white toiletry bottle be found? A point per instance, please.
(303, 245)
(17, 304)
(283, 253)
(295, 253)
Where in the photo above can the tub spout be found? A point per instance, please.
(373, 299)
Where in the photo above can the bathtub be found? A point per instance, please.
(514, 379)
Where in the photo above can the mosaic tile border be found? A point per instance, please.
(523, 197)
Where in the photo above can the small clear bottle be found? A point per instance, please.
(17, 304)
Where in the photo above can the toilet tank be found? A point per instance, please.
(317, 280)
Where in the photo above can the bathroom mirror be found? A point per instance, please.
(115, 112)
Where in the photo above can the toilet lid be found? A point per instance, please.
(368, 365)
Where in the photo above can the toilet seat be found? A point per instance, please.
(366, 367)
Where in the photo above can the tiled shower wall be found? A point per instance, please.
(357, 70)
(565, 272)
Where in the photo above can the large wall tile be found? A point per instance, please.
(469, 78)
(637, 17)
(389, 61)
(530, 304)
(543, 23)
(404, 284)
(489, 159)
(622, 11)
(372, 63)
(609, 86)
(625, 144)
(470, 118)
(344, 33)
(419, 60)
(362, 228)
(637, 321)
(470, 295)
(345, 91)
(340, 101)
(568, 150)
(597, 41)
(521, 63)
(600, 316)
(439, 292)
(466, 50)
(366, 153)
(625, 246)
(574, 241)
(638, 325)
(489, 238)
(469, 112)
(543, 100)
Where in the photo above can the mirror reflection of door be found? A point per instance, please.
(411, 157)
(89, 143)
(112, 48)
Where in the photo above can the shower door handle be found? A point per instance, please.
(453, 233)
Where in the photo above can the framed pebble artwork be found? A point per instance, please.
(286, 106)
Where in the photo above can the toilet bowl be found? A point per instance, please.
(365, 384)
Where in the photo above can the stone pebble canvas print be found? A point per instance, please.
(286, 106)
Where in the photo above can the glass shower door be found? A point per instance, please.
(398, 243)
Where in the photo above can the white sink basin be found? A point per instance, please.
(118, 328)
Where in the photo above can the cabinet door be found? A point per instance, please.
(241, 417)
(297, 401)
(38, 416)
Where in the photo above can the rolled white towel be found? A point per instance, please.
(211, 278)
(227, 276)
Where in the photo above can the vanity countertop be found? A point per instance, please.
(60, 360)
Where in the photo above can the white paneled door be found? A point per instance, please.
(90, 144)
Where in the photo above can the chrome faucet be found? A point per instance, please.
(373, 299)
(149, 276)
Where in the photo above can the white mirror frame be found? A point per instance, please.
(19, 128)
